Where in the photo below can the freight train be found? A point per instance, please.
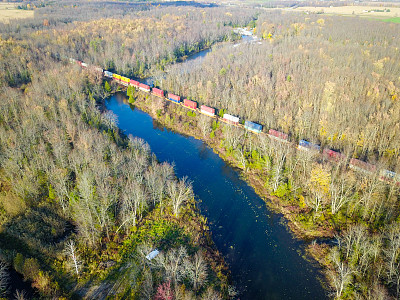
(303, 145)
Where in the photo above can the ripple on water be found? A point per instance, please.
(263, 259)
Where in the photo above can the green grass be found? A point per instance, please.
(392, 20)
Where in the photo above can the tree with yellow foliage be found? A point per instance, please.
(319, 183)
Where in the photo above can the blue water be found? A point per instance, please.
(262, 255)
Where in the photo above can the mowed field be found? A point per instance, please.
(393, 20)
(380, 12)
(8, 11)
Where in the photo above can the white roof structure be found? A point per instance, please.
(152, 254)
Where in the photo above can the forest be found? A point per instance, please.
(81, 204)
(314, 79)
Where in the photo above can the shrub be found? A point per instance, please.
(191, 113)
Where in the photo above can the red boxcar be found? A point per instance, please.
(277, 134)
(190, 104)
(144, 87)
(333, 155)
(134, 83)
(207, 110)
(158, 92)
(174, 98)
(362, 165)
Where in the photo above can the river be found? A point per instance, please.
(195, 60)
(264, 258)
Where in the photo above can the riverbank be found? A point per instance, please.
(44, 244)
(161, 229)
(264, 258)
(253, 177)
(176, 118)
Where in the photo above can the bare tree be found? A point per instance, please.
(392, 256)
(341, 277)
(20, 295)
(147, 290)
(107, 196)
(197, 270)
(179, 192)
(280, 152)
(239, 154)
(233, 136)
(61, 183)
(84, 208)
(134, 201)
(353, 240)
(172, 262)
(340, 192)
(74, 260)
(4, 278)
(210, 294)
(156, 180)
(204, 123)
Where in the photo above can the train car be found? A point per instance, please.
(307, 146)
(108, 74)
(125, 80)
(362, 166)
(174, 98)
(117, 77)
(144, 87)
(78, 62)
(190, 104)
(134, 83)
(277, 135)
(230, 119)
(389, 176)
(158, 92)
(84, 65)
(207, 110)
(333, 155)
(254, 127)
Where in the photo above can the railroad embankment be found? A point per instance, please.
(174, 117)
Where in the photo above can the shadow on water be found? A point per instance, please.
(264, 258)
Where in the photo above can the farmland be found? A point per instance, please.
(362, 11)
(392, 20)
(82, 202)
(9, 11)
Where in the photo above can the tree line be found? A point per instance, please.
(81, 204)
(312, 78)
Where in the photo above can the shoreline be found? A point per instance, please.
(312, 253)
(251, 177)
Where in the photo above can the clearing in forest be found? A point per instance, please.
(9, 11)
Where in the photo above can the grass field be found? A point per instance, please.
(8, 11)
(363, 11)
(392, 20)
